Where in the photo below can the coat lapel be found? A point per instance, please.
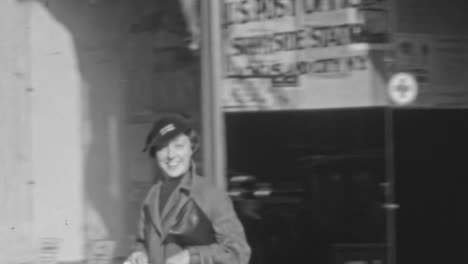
(168, 220)
(177, 200)
(152, 201)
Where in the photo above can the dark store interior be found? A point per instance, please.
(428, 169)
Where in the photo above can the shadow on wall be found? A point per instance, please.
(122, 85)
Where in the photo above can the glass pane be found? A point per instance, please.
(325, 172)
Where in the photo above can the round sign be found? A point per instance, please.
(402, 88)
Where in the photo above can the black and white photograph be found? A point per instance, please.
(233, 131)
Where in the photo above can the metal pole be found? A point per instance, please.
(213, 144)
(390, 205)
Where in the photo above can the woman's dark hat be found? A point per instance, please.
(164, 130)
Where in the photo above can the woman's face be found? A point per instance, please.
(175, 158)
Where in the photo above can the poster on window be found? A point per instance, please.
(302, 54)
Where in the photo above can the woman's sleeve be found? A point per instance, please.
(231, 246)
(140, 239)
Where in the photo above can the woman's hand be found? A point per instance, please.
(182, 257)
(137, 257)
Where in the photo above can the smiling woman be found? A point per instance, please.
(184, 206)
(172, 146)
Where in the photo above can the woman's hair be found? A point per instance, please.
(194, 140)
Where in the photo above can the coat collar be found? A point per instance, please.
(187, 182)
(176, 201)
